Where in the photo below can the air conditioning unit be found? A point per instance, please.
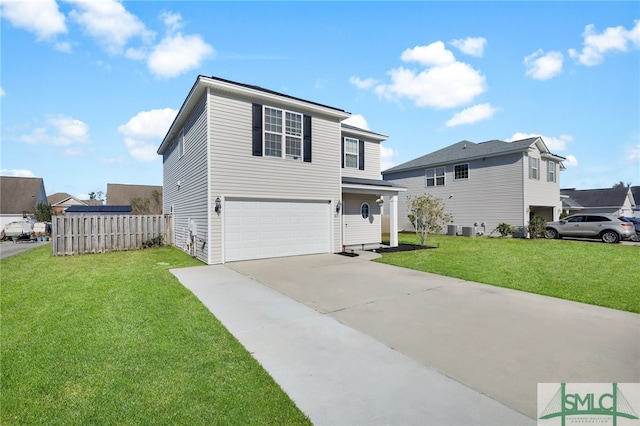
(468, 231)
(452, 229)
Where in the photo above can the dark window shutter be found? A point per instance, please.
(342, 150)
(306, 138)
(361, 154)
(257, 129)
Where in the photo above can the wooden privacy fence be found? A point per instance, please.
(80, 234)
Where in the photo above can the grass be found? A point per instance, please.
(115, 339)
(595, 273)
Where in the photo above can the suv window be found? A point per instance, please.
(598, 219)
(576, 219)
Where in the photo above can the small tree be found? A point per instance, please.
(505, 229)
(427, 215)
(537, 227)
(44, 212)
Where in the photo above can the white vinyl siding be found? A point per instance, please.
(358, 230)
(189, 199)
(493, 195)
(235, 172)
(371, 162)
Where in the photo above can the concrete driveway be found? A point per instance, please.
(9, 248)
(499, 342)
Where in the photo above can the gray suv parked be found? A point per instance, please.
(608, 228)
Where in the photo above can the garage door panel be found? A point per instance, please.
(262, 229)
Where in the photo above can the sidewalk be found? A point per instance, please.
(336, 374)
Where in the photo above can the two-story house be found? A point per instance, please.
(484, 184)
(250, 173)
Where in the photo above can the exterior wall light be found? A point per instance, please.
(380, 202)
(338, 207)
(218, 207)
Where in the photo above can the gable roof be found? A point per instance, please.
(121, 194)
(606, 197)
(20, 194)
(635, 191)
(353, 130)
(221, 85)
(60, 198)
(467, 150)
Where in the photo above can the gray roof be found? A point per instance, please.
(121, 194)
(606, 197)
(635, 191)
(465, 151)
(20, 194)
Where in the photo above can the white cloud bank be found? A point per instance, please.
(472, 115)
(472, 46)
(16, 172)
(443, 82)
(59, 131)
(41, 18)
(555, 144)
(387, 157)
(144, 132)
(357, 120)
(596, 45)
(543, 66)
(177, 54)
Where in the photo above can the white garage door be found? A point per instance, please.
(256, 229)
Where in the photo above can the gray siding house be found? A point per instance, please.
(19, 198)
(250, 173)
(484, 184)
(618, 201)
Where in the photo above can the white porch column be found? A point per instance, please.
(393, 221)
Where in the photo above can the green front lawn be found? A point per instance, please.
(115, 339)
(595, 273)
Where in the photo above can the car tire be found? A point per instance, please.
(551, 234)
(610, 237)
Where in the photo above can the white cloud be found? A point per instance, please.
(178, 54)
(17, 172)
(144, 132)
(434, 54)
(358, 121)
(59, 130)
(387, 156)
(472, 115)
(473, 46)
(367, 83)
(632, 153)
(173, 21)
(570, 162)
(443, 83)
(543, 66)
(446, 86)
(595, 45)
(555, 144)
(2, 92)
(109, 23)
(40, 17)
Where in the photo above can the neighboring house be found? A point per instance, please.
(19, 197)
(250, 173)
(618, 201)
(485, 184)
(146, 198)
(635, 191)
(98, 210)
(60, 201)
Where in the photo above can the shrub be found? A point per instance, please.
(537, 226)
(153, 242)
(505, 229)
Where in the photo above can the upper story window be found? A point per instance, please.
(551, 171)
(351, 152)
(282, 126)
(434, 177)
(534, 168)
(461, 171)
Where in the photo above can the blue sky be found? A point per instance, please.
(88, 89)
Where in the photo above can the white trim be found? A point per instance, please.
(357, 153)
(368, 211)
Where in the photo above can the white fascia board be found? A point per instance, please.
(370, 189)
(364, 134)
